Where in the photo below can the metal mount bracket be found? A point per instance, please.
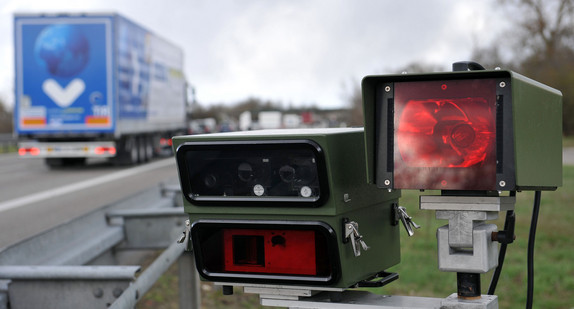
(465, 244)
(284, 292)
(482, 302)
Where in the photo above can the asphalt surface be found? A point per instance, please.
(34, 198)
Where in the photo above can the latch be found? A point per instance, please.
(406, 219)
(186, 237)
(352, 235)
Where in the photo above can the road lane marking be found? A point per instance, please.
(51, 193)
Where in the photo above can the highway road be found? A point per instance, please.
(34, 198)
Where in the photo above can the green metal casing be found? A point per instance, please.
(350, 197)
(532, 137)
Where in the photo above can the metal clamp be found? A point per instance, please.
(407, 220)
(186, 237)
(352, 234)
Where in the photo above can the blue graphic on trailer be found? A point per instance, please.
(133, 70)
(63, 50)
(64, 75)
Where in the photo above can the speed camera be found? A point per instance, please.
(464, 131)
(286, 207)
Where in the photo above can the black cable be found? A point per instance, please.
(531, 238)
(501, 253)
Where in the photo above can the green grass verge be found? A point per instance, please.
(419, 275)
(8, 149)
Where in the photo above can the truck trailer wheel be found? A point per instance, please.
(128, 152)
(149, 151)
(142, 150)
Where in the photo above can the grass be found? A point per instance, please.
(419, 275)
(568, 141)
(8, 148)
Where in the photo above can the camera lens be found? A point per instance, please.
(287, 173)
(245, 172)
(210, 180)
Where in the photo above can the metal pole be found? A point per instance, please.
(144, 282)
(189, 284)
(468, 285)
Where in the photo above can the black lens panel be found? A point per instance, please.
(273, 171)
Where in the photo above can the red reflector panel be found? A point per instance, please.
(445, 135)
(97, 120)
(104, 150)
(270, 251)
(166, 142)
(33, 122)
(33, 151)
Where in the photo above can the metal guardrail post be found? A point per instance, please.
(4, 294)
(189, 285)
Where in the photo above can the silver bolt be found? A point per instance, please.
(387, 88)
(346, 198)
(502, 84)
(502, 183)
(387, 182)
(98, 293)
(117, 292)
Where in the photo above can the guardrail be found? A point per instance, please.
(81, 264)
(7, 142)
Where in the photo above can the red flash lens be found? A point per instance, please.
(445, 132)
(445, 135)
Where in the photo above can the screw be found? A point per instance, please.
(98, 293)
(502, 183)
(502, 84)
(117, 292)
(346, 198)
(387, 182)
(387, 88)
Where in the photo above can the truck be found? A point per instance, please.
(95, 85)
(270, 120)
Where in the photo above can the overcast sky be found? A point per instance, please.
(297, 52)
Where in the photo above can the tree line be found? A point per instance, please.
(540, 45)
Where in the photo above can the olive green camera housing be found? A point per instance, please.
(237, 218)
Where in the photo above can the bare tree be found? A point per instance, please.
(5, 119)
(545, 28)
(540, 45)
